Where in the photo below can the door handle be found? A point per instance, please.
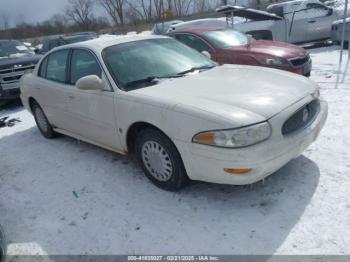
(37, 87)
(71, 97)
(311, 21)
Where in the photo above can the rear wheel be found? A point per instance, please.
(41, 121)
(160, 160)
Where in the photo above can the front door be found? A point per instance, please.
(92, 112)
(320, 21)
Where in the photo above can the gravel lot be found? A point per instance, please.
(67, 197)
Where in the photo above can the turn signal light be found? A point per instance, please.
(237, 171)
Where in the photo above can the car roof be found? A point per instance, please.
(99, 44)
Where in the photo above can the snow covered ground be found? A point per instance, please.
(65, 197)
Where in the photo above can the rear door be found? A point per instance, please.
(51, 89)
(92, 113)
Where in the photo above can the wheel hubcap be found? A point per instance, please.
(157, 161)
(41, 119)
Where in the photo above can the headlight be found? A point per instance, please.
(240, 137)
(275, 62)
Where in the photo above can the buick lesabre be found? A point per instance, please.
(182, 115)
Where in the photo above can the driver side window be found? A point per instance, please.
(83, 63)
(193, 42)
(317, 10)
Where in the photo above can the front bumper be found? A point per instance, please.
(10, 92)
(304, 69)
(207, 163)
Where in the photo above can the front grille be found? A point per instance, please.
(302, 118)
(300, 61)
(9, 77)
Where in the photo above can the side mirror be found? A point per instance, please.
(207, 54)
(91, 82)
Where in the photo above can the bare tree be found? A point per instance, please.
(4, 21)
(80, 12)
(59, 22)
(159, 8)
(142, 8)
(115, 9)
(182, 7)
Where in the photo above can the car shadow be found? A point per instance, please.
(61, 194)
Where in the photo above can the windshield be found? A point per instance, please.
(148, 59)
(9, 49)
(227, 38)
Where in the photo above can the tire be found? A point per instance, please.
(42, 123)
(152, 147)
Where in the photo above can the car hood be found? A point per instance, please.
(8, 63)
(228, 91)
(276, 49)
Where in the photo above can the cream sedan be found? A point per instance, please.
(182, 115)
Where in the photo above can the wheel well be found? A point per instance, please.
(134, 130)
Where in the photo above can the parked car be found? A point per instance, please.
(337, 32)
(2, 245)
(296, 21)
(15, 60)
(227, 46)
(56, 41)
(181, 114)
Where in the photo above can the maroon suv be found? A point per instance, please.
(227, 46)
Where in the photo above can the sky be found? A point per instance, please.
(30, 10)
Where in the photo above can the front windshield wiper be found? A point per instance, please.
(149, 80)
(193, 69)
(154, 79)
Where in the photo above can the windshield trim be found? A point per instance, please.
(122, 86)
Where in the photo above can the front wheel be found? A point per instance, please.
(160, 160)
(42, 122)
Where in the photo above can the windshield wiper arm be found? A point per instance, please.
(149, 80)
(193, 69)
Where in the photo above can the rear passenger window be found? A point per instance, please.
(194, 42)
(83, 64)
(57, 66)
